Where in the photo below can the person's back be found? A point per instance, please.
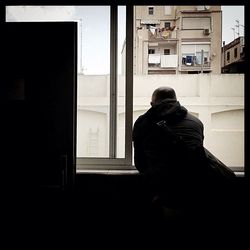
(156, 155)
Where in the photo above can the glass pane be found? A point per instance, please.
(94, 83)
(93, 68)
(198, 57)
(216, 99)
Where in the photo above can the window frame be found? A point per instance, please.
(151, 10)
(167, 25)
(235, 52)
(112, 162)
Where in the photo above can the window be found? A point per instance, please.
(209, 96)
(166, 51)
(151, 10)
(116, 151)
(167, 25)
(118, 99)
(228, 55)
(151, 51)
(235, 52)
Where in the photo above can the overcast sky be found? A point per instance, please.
(229, 15)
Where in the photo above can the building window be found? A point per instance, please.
(166, 51)
(228, 56)
(151, 10)
(167, 25)
(151, 51)
(235, 52)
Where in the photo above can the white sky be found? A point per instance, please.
(229, 15)
(95, 29)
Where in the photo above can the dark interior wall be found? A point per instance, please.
(38, 91)
(117, 209)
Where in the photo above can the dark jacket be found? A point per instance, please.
(181, 122)
(155, 154)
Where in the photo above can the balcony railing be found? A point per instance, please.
(162, 61)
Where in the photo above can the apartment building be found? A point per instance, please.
(177, 39)
(233, 56)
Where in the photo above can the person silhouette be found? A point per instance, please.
(165, 165)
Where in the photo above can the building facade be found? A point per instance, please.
(177, 39)
(233, 56)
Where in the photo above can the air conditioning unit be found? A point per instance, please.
(206, 32)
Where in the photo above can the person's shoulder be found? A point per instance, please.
(140, 119)
(193, 118)
(142, 122)
(145, 116)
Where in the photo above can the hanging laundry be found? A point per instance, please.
(189, 60)
(152, 29)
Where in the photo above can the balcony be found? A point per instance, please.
(193, 63)
(160, 63)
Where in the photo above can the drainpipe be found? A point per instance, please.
(202, 60)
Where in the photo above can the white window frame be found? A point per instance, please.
(112, 162)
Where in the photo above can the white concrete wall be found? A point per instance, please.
(218, 100)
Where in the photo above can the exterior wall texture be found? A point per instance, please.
(218, 100)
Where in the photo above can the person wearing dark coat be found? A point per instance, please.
(165, 166)
(182, 190)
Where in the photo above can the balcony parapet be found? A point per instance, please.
(195, 68)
